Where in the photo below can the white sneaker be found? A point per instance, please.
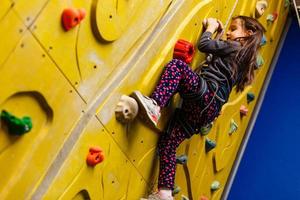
(148, 106)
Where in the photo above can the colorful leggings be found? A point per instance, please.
(179, 77)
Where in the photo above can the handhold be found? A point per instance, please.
(71, 17)
(204, 198)
(15, 125)
(209, 144)
(233, 127)
(250, 97)
(272, 17)
(261, 6)
(126, 109)
(176, 190)
(204, 130)
(95, 156)
(184, 51)
(182, 159)
(243, 110)
(215, 185)
(259, 61)
(263, 40)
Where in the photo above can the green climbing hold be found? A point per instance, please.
(215, 185)
(15, 125)
(209, 144)
(259, 61)
(233, 127)
(250, 97)
(176, 190)
(204, 130)
(287, 3)
(182, 159)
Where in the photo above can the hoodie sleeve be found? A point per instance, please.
(217, 47)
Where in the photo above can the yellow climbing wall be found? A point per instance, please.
(69, 83)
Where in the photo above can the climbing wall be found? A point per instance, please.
(64, 66)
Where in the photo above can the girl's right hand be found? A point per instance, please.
(211, 24)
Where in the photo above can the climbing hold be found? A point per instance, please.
(215, 185)
(176, 190)
(182, 159)
(95, 156)
(184, 51)
(204, 198)
(259, 61)
(261, 6)
(287, 3)
(250, 97)
(263, 40)
(15, 125)
(233, 127)
(126, 109)
(204, 130)
(243, 110)
(71, 17)
(272, 17)
(209, 144)
(184, 197)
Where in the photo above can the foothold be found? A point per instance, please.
(182, 159)
(215, 185)
(15, 125)
(71, 17)
(204, 198)
(126, 109)
(259, 61)
(233, 127)
(250, 97)
(204, 130)
(261, 6)
(263, 40)
(209, 144)
(95, 156)
(176, 190)
(184, 51)
(243, 110)
(272, 17)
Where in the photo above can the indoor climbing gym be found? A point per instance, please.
(149, 99)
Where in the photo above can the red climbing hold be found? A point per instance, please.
(95, 156)
(71, 17)
(184, 51)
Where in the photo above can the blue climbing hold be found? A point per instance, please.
(250, 97)
(263, 40)
(209, 144)
(182, 159)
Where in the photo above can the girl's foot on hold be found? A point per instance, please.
(156, 196)
(148, 107)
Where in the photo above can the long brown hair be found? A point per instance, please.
(245, 59)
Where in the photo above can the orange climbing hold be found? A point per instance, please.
(204, 198)
(71, 17)
(243, 110)
(184, 51)
(95, 156)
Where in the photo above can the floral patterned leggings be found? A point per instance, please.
(179, 77)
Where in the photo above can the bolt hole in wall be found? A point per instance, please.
(270, 165)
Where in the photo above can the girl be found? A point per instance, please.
(203, 94)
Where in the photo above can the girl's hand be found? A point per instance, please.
(211, 24)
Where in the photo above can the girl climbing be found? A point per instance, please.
(232, 64)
